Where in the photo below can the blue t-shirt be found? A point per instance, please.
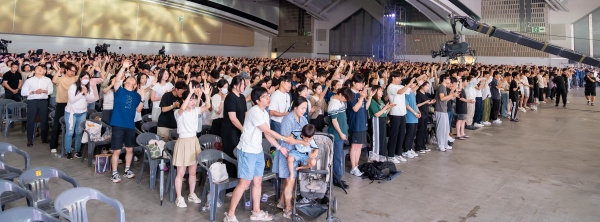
(125, 104)
(357, 121)
(411, 100)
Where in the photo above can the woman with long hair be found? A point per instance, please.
(217, 107)
(423, 103)
(378, 112)
(144, 90)
(234, 113)
(80, 94)
(317, 100)
(163, 85)
(302, 91)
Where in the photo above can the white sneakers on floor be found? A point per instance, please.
(486, 123)
(497, 121)
(478, 125)
(400, 158)
(53, 150)
(408, 155)
(393, 160)
(356, 172)
(180, 202)
(413, 153)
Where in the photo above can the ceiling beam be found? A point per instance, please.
(330, 6)
(550, 5)
(436, 18)
(306, 3)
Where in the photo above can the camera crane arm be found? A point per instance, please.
(517, 38)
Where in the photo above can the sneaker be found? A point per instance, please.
(408, 155)
(135, 159)
(421, 151)
(129, 174)
(567, 101)
(78, 154)
(120, 161)
(427, 150)
(393, 160)
(53, 150)
(193, 198)
(486, 123)
(441, 149)
(413, 153)
(543, 102)
(305, 200)
(69, 156)
(356, 172)
(229, 219)
(115, 178)
(448, 148)
(180, 202)
(478, 125)
(400, 158)
(496, 121)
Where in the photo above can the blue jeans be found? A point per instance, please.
(78, 118)
(504, 105)
(53, 101)
(276, 126)
(338, 157)
(478, 110)
(450, 115)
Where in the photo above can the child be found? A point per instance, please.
(300, 154)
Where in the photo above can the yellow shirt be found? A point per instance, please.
(62, 87)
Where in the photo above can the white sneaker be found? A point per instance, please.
(478, 125)
(451, 139)
(53, 150)
(193, 198)
(135, 159)
(448, 148)
(408, 155)
(356, 172)
(413, 153)
(421, 151)
(393, 160)
(180, 202)
(442, 149)
(496, 121)
(567, 101)
(486, 123)
(400, 158)
(427, 149)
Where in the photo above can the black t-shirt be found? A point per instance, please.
(235, 104)
(424, 109)
(167, 119)
(589, 85)
(12, 79)
(560, 82)
(450, 102)
(461, 107)
(514, 95)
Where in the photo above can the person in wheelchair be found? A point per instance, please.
(301, 153)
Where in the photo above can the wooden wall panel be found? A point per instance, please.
(201, 29)
(237, 35)
(159, 23)
(7, 12)
(109, 19)
(49, 17)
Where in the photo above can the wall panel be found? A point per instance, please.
(201, 29)
(7, 12)
(159, 23)
(49, 17)
(110, 19)
(582, 35)
(236, 35)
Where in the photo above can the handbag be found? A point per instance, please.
(103, 163)
(156, 149)
(218, 172)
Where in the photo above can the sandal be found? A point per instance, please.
(281, 205)
(262, 216)
(264, 198)
(466, 137)
(287, 214)
(461, 138)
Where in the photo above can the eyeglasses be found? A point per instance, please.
(266, 95)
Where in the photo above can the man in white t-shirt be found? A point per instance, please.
(280, 103)
(251, 161)
(397, 94)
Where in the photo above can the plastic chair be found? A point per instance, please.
(63, 129)
(206, 158)
(173, 135)
(205, 129)
(26, 214)
(3, 103)
(147, 118)
(207, 141)
(7, 147)
(91, 145)
(73, 202)
(142, 140)
(8, 172)
(268, 174)
(37, 180)
(10, 192)
(63, 149)
(14, 114)
(147, 126)
(96, 115)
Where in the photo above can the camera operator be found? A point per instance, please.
(162, 51)
(98, 48)
(12, 82)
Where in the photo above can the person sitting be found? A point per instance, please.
(300, 154)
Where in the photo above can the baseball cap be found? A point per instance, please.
(244, 75)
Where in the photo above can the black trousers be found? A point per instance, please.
(495, 109)
(513, 109)
(9, 95)
(37, 107)
(552, 93)
(378, 130)
(561, 93)
(58, 112)
(409, 140)
(397, 133)
(422, 133)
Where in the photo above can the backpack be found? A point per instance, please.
(156, 149)
(378, 170)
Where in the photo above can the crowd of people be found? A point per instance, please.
(285, 100)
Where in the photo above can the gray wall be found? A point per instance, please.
(581, 29)
(355, 35)
(264, 9)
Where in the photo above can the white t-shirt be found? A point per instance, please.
(280, 102)
(159, 91)
(251, 139)
(541, 81)
(216, 104)
(485, 91)
(108, 100)
(187, 122)
(398, 99)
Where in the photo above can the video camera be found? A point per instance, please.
(4, 45)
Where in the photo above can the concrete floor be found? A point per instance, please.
(544, 168)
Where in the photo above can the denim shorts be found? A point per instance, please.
(299, 157)
(122, 136)
(250, 165)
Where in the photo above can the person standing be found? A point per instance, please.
(169, 102)
(423, 103)
(37, 90)
(441, 112)
(280, 103)
(487, 98)
(339, 129)
(378, 112)
(357, 121)
(505, 95)
(251, 161)
(80, 94)
(412, 119)
(397, 95)
(234, 113)
(12, 82)
(495, 97)
(127, 101)
(561, 82)
(62, 87)
(158, 90)
(590, 88)
(217, 101)
(514, 95)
